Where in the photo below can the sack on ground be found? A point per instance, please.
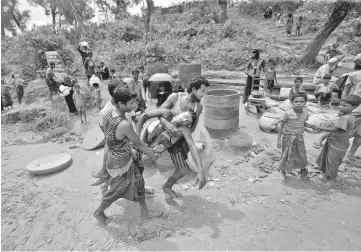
(268, 122)
(271, 103)
(313, 110)
(276, 110)
(324, 120)
(286, 105)
(285, 92)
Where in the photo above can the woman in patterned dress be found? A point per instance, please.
(126, 180)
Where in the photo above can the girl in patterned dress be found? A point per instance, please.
(126, 180)
(290, 137)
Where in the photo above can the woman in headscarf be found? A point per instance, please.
(254, 70)
(68, 92)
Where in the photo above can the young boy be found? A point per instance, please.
(113, 76)
(278, 19)
(136, 85)
(297, 88)
(333, 52)
(298, 26)
(79, 103)
(270, 75)
(126, 180)
(324, 91)
(337, 142)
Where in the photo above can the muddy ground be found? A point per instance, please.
(233, 212)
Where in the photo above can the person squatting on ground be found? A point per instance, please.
(290, 138)
(78, 98)
(326, 92)
(126, 180)
(326, 69)
(254, 71)
(337, 141)
(270, 75)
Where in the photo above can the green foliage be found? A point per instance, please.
(258, 7)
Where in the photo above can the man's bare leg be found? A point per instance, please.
(99, 213)
(167, 187)
(102, 174)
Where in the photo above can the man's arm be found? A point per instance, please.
(348, 85)
(126, 128)
(198, 113)
(142, 90)
(170, 102)
(151, 114)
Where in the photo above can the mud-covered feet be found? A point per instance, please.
(283, 177)
(99, 181)
(99, 175)
(101, 217)
(168, 192)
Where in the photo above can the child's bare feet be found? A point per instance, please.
(101, 217)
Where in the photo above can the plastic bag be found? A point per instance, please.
(285, 92)
(268, 122)
(313, 110)
(271, 103)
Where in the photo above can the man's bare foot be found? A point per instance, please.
(144, 212)
(149, 191)
(99, 182)
(176, 194)
(283, 177)
(99, 175)
(101, 217)
(168, 192)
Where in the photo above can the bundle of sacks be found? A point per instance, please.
(271, 119)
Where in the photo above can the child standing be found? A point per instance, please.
(126, 180)
(337, 142)
(290, 138)
(98, 97)
(297, 88)
(278, 20)
(270, 73)
(79, 102)
(298, 26)
(324, 91)
(289, 24)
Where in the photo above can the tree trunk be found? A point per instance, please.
(147, 20)
(340, 11)
(53, 16)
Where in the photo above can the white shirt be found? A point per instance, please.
(320, 73)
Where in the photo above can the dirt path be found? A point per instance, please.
(54, 212)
